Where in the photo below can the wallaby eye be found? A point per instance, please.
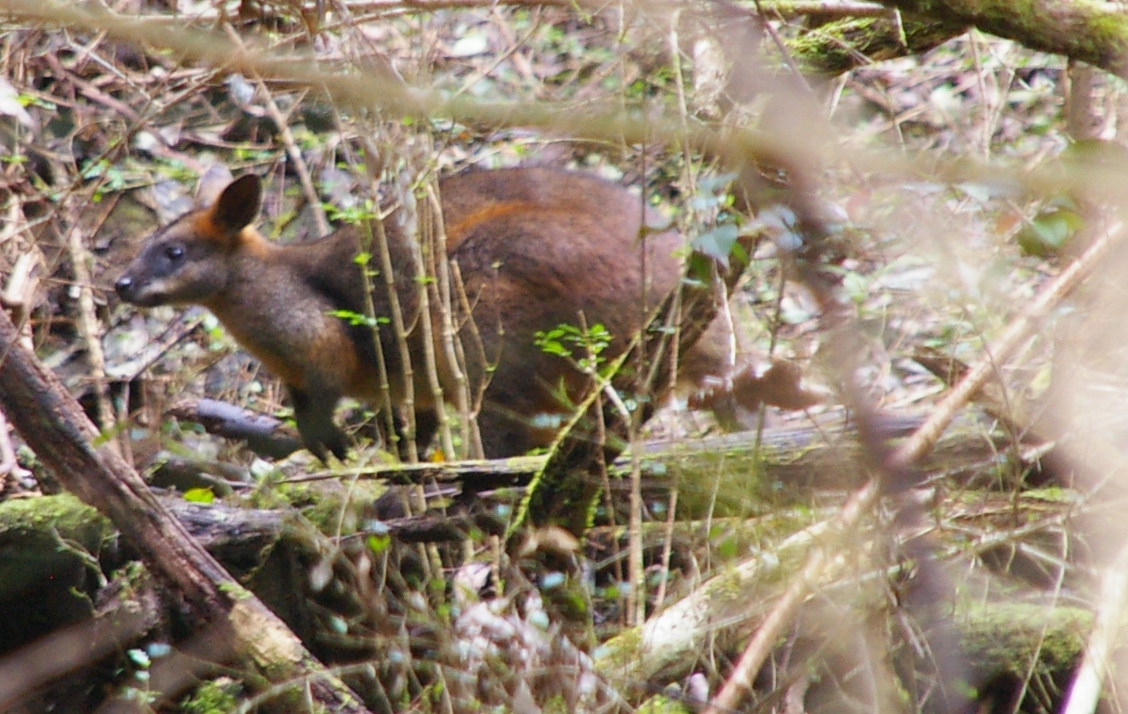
(174, 252)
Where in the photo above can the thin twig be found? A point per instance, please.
(89, 327)
(292, 150)
(427, 328)
(1021, 327)
(445, 313)
(739, 683)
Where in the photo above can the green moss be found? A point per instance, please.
(557, 705)
(1004, 637)
(663, 705)
(213, 697)
(841, 45)
(733, 483)
(39, 536)
(322, 503)
(64, 512)
(728, 595)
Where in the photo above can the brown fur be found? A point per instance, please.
(536, 248)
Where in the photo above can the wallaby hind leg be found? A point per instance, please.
(503, 434)
(426, 426)
(506, 432)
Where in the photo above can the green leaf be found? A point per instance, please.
(1049, 231)
(378, 543)
(357, 319)
(199, 495)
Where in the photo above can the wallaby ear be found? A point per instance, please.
(211, 184)
(238, 206)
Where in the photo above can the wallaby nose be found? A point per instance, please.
(123, 284)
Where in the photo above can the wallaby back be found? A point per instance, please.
(539, 248)
(536, 248)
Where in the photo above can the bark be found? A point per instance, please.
(840, 45)
(264, 435)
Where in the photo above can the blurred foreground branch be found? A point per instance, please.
(905, 459)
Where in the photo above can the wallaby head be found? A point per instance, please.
(187, 262)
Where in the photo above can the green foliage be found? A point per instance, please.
(378, 543)
(33, 100)
(199, 495)
(1048, 232)
(663, 705)
(718, 243)
(216, 697)
(564, 340)
(353, 215)
(139, 657)
(357, 319)
(245, 155)
(113, 179)
(175, 169)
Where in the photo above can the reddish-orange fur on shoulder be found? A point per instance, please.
(490, 212)
(332, 352)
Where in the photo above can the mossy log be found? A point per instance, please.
(745, 474)
(998, 623)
